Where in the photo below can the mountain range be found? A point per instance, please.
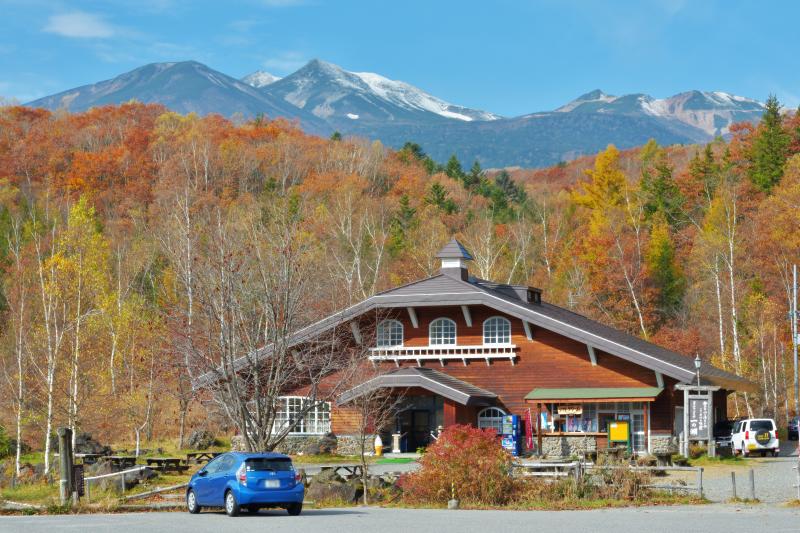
(324, 98)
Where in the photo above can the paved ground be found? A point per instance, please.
(774, 478)
(705, 518)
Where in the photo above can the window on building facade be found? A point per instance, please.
(442, 332)
(491, 417)
(497, 330)
(390, 333)
(316, 421)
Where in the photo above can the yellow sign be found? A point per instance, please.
(618, 431)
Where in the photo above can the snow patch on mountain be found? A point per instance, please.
(713, 112)
(594, 96)
(406, 95)
(260, 78)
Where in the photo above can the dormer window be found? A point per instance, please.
(442, 332)
(390, 334)
(496, 330)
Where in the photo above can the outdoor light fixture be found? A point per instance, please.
(697, 363)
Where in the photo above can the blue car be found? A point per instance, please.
(247, 481)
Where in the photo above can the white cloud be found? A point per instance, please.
(285, 62)
(80, 25)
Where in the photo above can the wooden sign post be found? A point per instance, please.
(698, 416)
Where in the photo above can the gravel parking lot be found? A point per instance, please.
(705, 518)
(774, 478)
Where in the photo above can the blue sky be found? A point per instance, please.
(507, 57)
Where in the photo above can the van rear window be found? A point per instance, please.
(761, 425)
(260, 464)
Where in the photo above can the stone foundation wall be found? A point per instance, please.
(568, 446)
(663, 444)
(298, 444)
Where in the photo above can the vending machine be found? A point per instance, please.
(511, 434)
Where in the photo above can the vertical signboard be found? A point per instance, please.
(698, 418)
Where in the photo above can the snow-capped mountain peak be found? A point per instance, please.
(594, 96)
(406, 95)
(331, 92)
(260, 78)
(710, 111)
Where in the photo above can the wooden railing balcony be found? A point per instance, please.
(444, 353)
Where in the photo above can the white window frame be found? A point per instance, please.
(320, 417)
(430, 332)
(502, 319)
(495, 422)
(389, 323)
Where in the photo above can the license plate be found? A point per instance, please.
(752, 446)
(272, 483)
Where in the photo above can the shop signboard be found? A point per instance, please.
(570, 409)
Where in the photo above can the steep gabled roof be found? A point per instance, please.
(445, 290)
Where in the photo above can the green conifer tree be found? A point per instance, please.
(660, 192)
(665, 274)
(770, 148)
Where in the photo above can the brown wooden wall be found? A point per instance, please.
(550, 360)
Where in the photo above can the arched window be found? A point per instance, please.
(442, 332)
(390, 333)
(496, 330)
(491, 417)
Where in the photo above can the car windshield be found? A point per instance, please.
(263, 464)
(761, 425)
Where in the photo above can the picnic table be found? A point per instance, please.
(89, 458)
(196, 457)
(122, 461)
(167, 464)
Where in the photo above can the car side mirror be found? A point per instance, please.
(202, 473)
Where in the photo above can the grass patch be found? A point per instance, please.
(395, 460)
(705, 460)
(33, 493)
(328, 459)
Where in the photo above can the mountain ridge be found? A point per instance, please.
(324, 97)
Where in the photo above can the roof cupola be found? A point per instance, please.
(454, 260)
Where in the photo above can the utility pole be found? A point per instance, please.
(794, 340)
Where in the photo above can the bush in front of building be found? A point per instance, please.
(467, 463)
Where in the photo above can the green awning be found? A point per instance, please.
(593, 393)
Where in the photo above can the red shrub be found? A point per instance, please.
(469, 460)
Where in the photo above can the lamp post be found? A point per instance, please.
(697, 364)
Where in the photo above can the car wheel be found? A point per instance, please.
(191, 502)
(231, 505)
(294, 509)
(775, 453)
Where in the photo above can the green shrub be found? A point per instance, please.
(6, 446)
(466, 462)
(696, 451)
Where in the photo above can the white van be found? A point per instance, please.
(755, 435)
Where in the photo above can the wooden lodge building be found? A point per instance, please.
(468, 351)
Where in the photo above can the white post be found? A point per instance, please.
(712, 444)
(686, 422)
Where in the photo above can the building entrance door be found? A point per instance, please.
(415, 425)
